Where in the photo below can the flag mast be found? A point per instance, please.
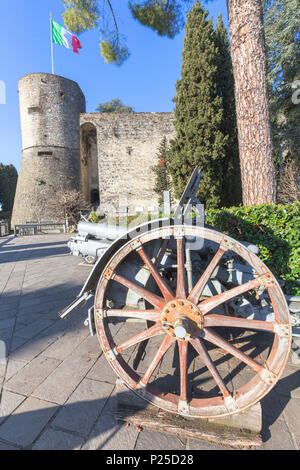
(52, 62)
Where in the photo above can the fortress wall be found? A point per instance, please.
(66, 148)
(127, 149)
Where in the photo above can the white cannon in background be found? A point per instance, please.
(181, 289)
(93, 239)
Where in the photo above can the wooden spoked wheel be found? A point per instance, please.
(192, 326)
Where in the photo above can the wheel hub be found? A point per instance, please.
(182, 319)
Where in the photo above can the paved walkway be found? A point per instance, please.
(57, 388)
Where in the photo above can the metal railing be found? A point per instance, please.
(34, 228)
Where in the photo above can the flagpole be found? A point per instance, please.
(52, 62)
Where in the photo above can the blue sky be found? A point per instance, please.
(146, 81)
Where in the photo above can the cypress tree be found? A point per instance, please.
(232, 191)
(199, 113)
(8, 183)
(162, 179)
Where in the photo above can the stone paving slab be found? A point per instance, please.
(277, 436)
(9, 402)
(54, 439)
(32, 330)
(57, 386)
(32, 375)
(66, 344)
(25, 424)
(84, 406)
(292, 417)
(108, 434)
(13, 367)
(102, 371)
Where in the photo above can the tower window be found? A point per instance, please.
(129, 150)
(34, 109)
(45, 154)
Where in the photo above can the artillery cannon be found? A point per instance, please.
(93, 240)
(211, 317)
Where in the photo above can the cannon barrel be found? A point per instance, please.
(110, 232)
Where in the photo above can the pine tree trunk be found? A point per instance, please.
(252, 104)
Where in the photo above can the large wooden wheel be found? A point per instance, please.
(191, 326)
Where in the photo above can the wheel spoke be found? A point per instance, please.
(181, 289)
(162, 284)
(167, 342)
(155, 330)
(198, 288)
(234, 322)
(144, 293)
(217, 340)
(216, 300)
(199, 346)
(183, 345)
(151, 315)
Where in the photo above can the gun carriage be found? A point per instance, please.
(212, 318)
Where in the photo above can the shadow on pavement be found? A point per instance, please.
(25, 247)
(84, 421)
(7, 240)
(275, 402)
(25, 255)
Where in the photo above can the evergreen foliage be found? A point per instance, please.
(283, 52)
(162, 178)
(232, 194)
(8, 183)
(274, 228)
(112, 51)
(114, 106)
(204, 96)
(83, 15)
(163, 16)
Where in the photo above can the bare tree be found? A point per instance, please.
(67, 206)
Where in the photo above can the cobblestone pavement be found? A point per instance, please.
(57, 388)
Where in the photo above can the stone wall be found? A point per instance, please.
(66, 148)
(127, 144)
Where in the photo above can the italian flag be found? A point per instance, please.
(63, 37)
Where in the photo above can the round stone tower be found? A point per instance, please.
(49, 107)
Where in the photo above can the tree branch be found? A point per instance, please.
(114, 19)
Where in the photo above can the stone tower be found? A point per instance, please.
(50, 107)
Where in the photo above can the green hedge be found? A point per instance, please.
(275, 229)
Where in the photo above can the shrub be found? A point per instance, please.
(96, 216)
(274, 229)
